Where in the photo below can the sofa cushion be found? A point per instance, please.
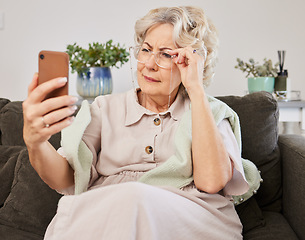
(3, 102)
(8, 159)
(11, 126)
(258, 114)
(10, 233)
(31, 204)
(276, 228)
(250, 215)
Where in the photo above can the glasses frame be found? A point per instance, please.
(138, 49)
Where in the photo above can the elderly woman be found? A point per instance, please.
(133, 133)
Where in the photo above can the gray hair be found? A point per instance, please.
(191, 28)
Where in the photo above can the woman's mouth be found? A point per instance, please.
(149, 79)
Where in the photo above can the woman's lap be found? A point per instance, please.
(138, 211)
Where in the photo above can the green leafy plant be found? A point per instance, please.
(253, 68)
(97, 55)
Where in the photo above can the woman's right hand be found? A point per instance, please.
(43, 118)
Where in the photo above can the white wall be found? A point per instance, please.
(247, 29)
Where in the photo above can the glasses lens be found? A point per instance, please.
(144, 55)
(162, 58)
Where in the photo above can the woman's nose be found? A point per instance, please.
(151, 62)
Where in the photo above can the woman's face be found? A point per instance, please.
(153, 79)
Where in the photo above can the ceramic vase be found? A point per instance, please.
(257, 84)
(96, 81)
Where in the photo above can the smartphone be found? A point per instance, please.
(51, 65)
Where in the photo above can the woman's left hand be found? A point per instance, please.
(191, 66)
(212, 168)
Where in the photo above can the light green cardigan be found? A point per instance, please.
(176, 171)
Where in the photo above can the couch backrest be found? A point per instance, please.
(258, 114)
(11, 125)
(3, 102)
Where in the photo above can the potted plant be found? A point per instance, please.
(92, 66)
(260, 77)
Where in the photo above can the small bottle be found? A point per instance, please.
(282, 86)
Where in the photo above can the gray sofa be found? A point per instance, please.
(277, 211)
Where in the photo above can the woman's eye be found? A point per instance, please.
(145, 50)
(166, 55)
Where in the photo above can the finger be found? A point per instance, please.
(33, 113)
(42, 133)
(177, 53)
(33, 84)
(190, 55)
(57, 127)
(184, 56)
(53, 104)
(41, 91)
(59, 115)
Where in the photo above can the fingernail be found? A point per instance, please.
(63, 80)
(70, 120)
(74, 99)
(72, 108)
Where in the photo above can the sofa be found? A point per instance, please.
(276, 211)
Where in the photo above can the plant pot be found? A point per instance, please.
(97, 81)
(257, 84)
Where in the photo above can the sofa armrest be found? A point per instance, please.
(292, 149)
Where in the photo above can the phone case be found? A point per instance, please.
(52, 65)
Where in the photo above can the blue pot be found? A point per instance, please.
(97, 81)
(257, 84)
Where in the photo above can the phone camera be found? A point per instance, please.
(41, 56)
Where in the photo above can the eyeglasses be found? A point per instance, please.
(162, 58)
